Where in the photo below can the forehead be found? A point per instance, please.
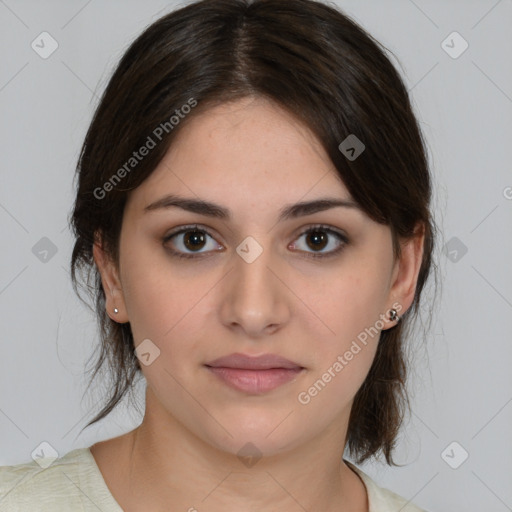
(248, 152)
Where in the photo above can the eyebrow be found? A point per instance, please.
(210, 209)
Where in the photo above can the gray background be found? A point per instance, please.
(461, 383)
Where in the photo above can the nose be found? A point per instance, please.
(255, 299)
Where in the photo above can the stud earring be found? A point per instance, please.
(116, 311)
(393, 315)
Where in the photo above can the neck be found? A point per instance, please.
(165, 465)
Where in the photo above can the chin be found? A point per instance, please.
(258, 436)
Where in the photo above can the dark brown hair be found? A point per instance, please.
(307, 58)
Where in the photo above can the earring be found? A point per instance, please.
(116, 311)
(393, 315)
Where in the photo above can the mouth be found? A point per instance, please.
(255, 381)
(254, 375)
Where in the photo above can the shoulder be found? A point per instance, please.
(381, 499)
(69, 483)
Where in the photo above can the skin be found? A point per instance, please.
(253, 158)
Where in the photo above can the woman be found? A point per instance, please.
(253, 215)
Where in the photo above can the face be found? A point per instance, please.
(313, 286)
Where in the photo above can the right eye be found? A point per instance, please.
(189, 238)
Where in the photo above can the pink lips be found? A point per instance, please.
(254, 375)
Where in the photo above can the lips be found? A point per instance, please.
(254, 375)
(245, 362)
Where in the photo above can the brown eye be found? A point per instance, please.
(189, 242)
(318, 239)
(194, 240)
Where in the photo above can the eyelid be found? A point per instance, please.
(189, 227)
(325, 227)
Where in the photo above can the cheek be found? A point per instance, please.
(349, 305)
(350, 301)
(173, 313)
(159, 297)
(161, 306)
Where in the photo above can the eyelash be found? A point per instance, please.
(318, 227)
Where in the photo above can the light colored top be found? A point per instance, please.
(74, 483)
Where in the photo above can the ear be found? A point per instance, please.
(405, 272)
(114, 298)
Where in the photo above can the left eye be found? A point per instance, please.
(320, 237)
